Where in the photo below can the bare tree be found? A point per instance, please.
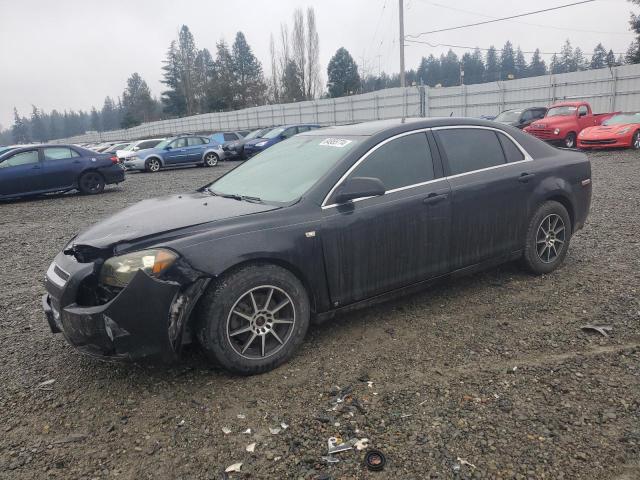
(299, 47)
(274, 83)
(313, 55)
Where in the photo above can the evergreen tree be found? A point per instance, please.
(611, 59)
(450, 69)
(173, 98)
(429, 71)
(137, 103)
(473, 67)
(633, 53)
(566, 62)
(507, 62)
(291, 85)
(537, 66)
(599, 57)
(343, 74)
(205, 76)
(95, 123)
(186, 55)
(251, 88)
(20, 130)
(38, 127)
(521, 70)
(55, 125)
(109, 115)
(492, 69)
(579, 61)
(555, 66)
(224, 86)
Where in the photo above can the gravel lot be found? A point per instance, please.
(492, 369)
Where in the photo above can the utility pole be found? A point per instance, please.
(401, 15)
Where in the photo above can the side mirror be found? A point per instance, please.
(358, 187)
(168, 147)
(283, 136)
(135, 149)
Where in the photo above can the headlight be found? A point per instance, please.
(261, 144)
(118, 271)
(556, 131)
(623, 131)
(133, 157)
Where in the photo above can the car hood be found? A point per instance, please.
(600, 130)
(257, 140)
(165, 214)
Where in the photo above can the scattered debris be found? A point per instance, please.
(361, 444)
(74, 437)
(375, 460)
(234, 468)
(241, 416)
(601, 329)
(46, 383)
(336, 445)
(370, 384)
(251, 447)
(181, 424)
(226, 430)
(330, 459)
(274, 431)
(284, 426)
(464, 462)
(247, 431)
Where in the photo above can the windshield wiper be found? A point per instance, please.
(246, 198)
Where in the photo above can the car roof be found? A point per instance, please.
(568, 104)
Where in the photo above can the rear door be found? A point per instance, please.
(489, 193)
(62, 166)
(195, 149)
(21, 172)
(377, 244)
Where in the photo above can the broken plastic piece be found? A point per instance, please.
(274, 431)
(251, 447)
(284, 426)
(226, 430)
(46, 383)
(234, 468)
(335, 445)
(361, 444)
(241, 416)
(375, 460)
(464, 462)
(330, 459)
(601, 329)
(248, 431)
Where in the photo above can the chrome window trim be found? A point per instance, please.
(527, 158)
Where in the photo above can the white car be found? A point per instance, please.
(131, 150)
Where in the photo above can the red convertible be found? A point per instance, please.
(564, 121)
(622, 130)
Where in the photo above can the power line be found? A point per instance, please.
(500, 19)
(555, 27)
(435, 45)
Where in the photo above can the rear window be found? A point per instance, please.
(511, 151)
(469, 149)
(229, 137)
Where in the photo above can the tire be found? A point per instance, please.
(635, 140)
(152, 165)
(211, 159)
(543, 252)
(238, 312)
(570, 140)
(91, 183)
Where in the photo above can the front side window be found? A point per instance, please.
(22, 158)
(469, 149)
(583, 110)
(179, 143)
(230, 137)
(286, 171)
(58, 153)
(399, 163)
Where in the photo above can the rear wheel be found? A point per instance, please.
(91, 183)
(253, 319)
(548, 238)
(152, 165)
(570, 140)
(635, 141)
(211, 159)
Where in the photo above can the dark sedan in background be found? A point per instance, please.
(37, 169)
(326, 221)
(522, 117)
(235, 149)
(273, 136)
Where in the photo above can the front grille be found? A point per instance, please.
(598, 142)
(543, 134)
(61, 273)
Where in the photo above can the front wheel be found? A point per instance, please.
(91, 183)
(635, 141)
(152, 165)
(253, 319)
(211, 159)
(570, 140)
(547, 238)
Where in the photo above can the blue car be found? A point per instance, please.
(177, 151)
(274, 136)
(36, 169)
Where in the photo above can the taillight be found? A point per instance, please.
(114, 159)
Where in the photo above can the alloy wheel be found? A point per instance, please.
(550, 238)
(154, 165)
(261, 322)
(91, 182)
(636, 141)
(570, 141)
(211, 159)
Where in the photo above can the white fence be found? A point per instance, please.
(606, 89)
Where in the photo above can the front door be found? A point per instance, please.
(22, 172)
(377, 244)
(490, 180)
(178, 152)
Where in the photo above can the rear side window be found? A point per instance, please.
(193, 141)
(230, 137)
(511, 151)
(469, 149)
(22, 158)
(399, 163)
(539, 113)
(58, 153)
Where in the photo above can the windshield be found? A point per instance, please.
(274, 133)
(566, 111)
(4, 150)
(509, 116)
(623, 119)
(286, 171)
(164, 143)
(256, 133)
(130, 147)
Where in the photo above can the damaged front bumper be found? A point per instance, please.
(146, 318)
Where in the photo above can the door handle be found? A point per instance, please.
(36, 167)
(434, 198)
(525, 177)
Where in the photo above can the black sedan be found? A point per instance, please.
(522, 117)
(326, 221)
(38, 169)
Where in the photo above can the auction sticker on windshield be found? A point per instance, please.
(335, 142)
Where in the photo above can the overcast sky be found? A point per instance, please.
(70, 54)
